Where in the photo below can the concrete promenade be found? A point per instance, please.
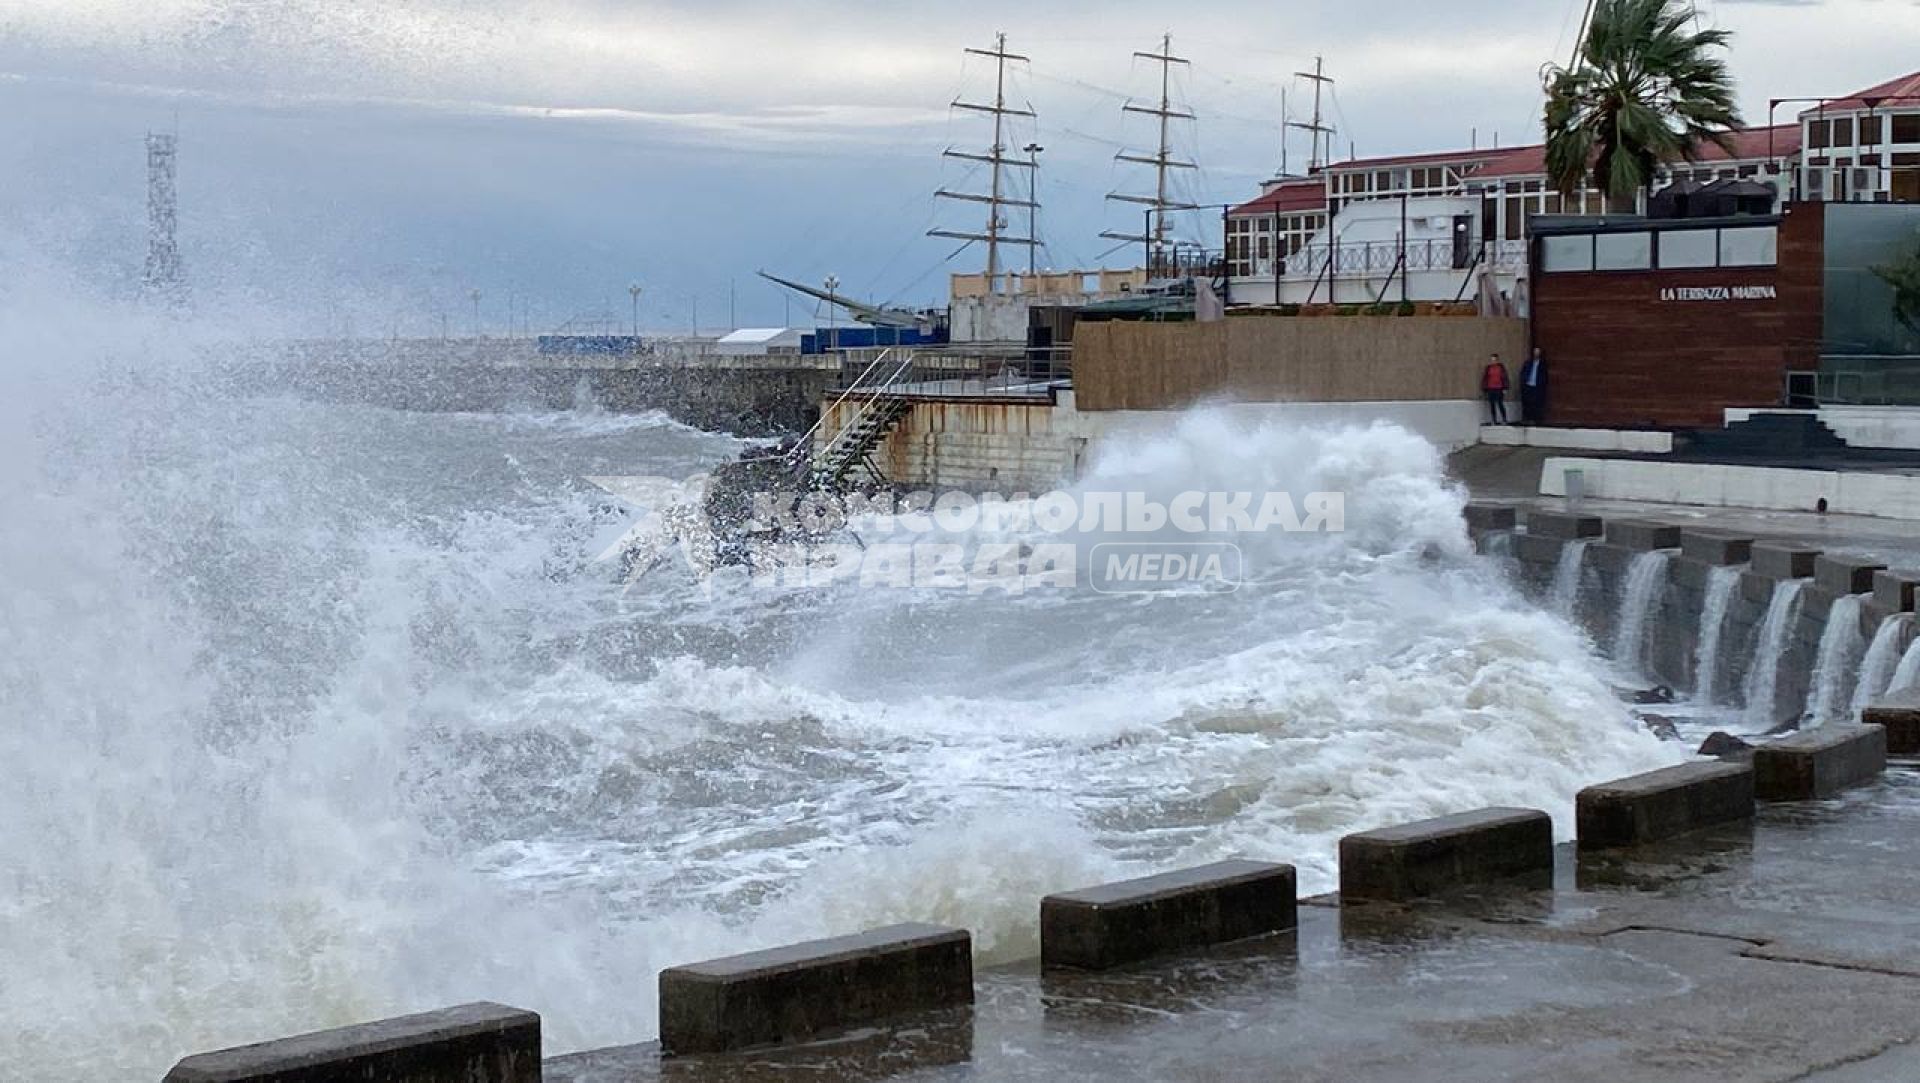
(1787, 948)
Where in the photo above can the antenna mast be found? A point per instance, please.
(1319, 128)
(164, 277)
(996, 157)
(1159, 203)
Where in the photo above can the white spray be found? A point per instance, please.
(1763, 673)
(1723, 582)
(1840, 646)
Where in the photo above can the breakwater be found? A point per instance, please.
(1775, 630)
(746, 396)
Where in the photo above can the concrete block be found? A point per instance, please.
(1691, 575)
(1708, 547)
(803, 991)
(1564, 525)
(1661, 804)
(1845, 575)
(1114, 924)
(1491, 517)
(1611, 561)
(1757, 588)
(1819, 762)
(1816, 604)
(1895, 590)
(1872, 616)
(1784, 561)
(1897, 712)
(1431, 857)
(473, 1043)
(1641, 535)
(1534, 549)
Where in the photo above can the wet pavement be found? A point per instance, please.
(1785, 949)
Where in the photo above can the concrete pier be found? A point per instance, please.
(1447, 854)
(473, 1043)
(1555, 524)
(1102, 927)
(1819, 762)
(1845, 575)
(1663, 804)
(1784, 561)
(1898, 713)
(805, 991)
(1641, 536)
(1709, 547)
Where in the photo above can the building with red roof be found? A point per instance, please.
(1428, 226)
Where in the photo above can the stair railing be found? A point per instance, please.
(881, 391)
(796, 457)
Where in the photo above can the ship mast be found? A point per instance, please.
(1320, 80)
(1162, 162)
(996, 157)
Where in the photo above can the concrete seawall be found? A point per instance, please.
(1677, 608)
(749, 396)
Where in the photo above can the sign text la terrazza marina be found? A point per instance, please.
(1717, 293)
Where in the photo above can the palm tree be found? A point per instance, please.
(1645, 88)
(1904, 276)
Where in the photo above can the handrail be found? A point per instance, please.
(799, 453)
(875, 396)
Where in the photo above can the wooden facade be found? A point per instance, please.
(1668, 348)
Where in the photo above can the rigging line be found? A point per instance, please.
(1333, 94)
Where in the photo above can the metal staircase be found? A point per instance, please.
(879, 403)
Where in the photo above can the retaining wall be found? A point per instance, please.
(1124, 365)
(1675, 622)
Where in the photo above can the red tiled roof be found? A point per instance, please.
(1289, 197)
(1363, 164)
(1904, 91)
(1309, 193)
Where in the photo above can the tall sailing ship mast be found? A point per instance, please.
(1154, 237)
(996, 159)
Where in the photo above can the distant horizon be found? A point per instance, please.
(351, 166)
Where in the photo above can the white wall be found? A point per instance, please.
(1889, 496)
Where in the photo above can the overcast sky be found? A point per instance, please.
(363, 164)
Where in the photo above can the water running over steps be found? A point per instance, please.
(1839, 653)
(1645, 591)
(1565, 594)
(1877, 668)
(1763, 674)
(1722, 584)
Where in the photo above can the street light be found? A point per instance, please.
(1033, 203)
(833, 328)
(633, 291)
(475, 295)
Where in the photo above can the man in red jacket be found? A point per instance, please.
(1493, 381)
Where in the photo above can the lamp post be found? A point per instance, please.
(1033, 203)
(833, 328)
(474, 295)
(633, 291)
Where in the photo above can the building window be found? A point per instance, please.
(1757, 246)
(1623, 251)
(1869, 131)
(1820, 134)
(1689, 248)
(1906, 128)
(1558, 254)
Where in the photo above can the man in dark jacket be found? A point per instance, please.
(1533, 390)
